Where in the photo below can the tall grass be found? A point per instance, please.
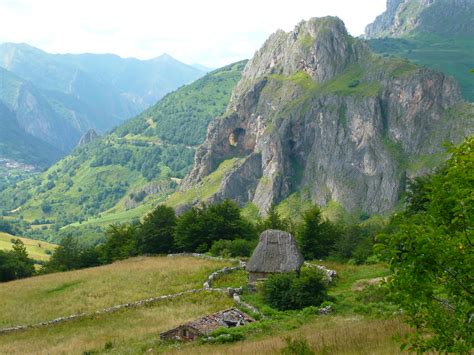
(325, 335)
(47, 297)
(131, 331)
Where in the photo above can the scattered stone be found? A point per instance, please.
(325, 310)
(330, 274)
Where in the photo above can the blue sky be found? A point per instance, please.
(209, 32)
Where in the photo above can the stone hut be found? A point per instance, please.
(276, 252)
(190, 331)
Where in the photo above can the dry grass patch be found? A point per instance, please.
(37, 249)
(131, 331)
(47, 297)
(325, 335)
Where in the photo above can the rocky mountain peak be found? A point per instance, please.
(317, 114)
(88, 137)
(319, 47)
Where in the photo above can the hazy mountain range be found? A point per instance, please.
(56, 98)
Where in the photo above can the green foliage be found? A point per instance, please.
(193, 107)
(356, 243)
(273, 220)
(157, 231)
(223, 338)
(293, 291)
(121, 242)
(70, 255)
(15, 264)
(316, 237)
(199, 227)
(297, 346)
(430, 251)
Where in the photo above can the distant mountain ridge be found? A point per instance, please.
(58, 97)
(435, 33)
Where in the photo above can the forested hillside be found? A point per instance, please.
(123, 174)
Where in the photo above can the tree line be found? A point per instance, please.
(219, 229)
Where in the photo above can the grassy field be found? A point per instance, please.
(136, 331)
(37, 250)
(50, 296)
(324, 335)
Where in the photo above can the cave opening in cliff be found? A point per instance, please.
(236, 136)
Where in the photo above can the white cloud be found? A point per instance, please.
(210, 32)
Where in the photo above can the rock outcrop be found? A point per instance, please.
(88, 137)
(317, 112)
(404, 17)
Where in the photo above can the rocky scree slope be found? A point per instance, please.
(317, 112)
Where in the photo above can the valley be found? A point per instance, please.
(323, 187)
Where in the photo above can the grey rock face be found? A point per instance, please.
(88, 137)
(442, 17)
(316, 112)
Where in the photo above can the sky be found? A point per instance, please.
(209, 32)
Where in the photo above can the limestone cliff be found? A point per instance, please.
(317, 112)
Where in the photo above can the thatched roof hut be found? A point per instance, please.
(276, 252)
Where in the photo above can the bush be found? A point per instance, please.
(296, 347)
(15, 264)
(293, 291)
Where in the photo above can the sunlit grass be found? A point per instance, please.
(47, 297)
(325, 335)
(130, 331)
(37, 250)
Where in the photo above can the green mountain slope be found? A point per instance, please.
(437, 34)
(123, 174)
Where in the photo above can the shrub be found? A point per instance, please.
(296, 347)
(293, 291)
